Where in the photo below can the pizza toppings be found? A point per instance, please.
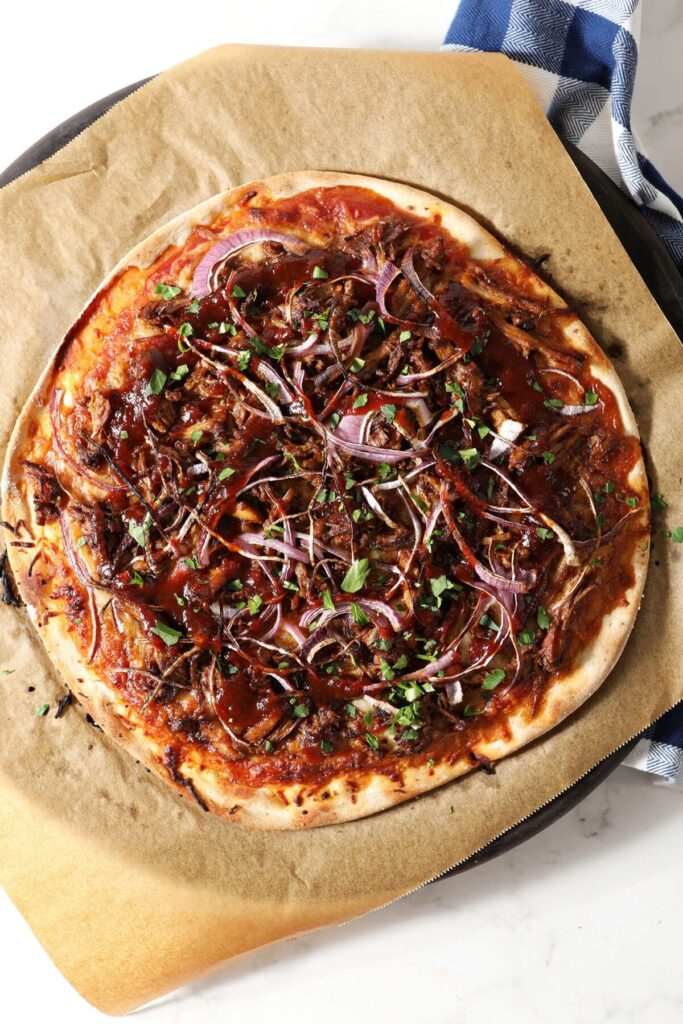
(337, 501)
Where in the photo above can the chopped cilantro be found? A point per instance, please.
(254, 604)
(167, 291)
(319, 274)
(493, 679)
(389, 413)
(140, 531)
(358, 615)
(356, 576)
(226, 473)
(590, 398)
(542, 618)
(169, 635)
(553, 403)
(470, 456)
(276, 352)
(361, 401)
(157, 382)
(180, 372)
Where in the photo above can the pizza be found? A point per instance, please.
(326, 499)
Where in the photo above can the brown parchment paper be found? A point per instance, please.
(131, 890)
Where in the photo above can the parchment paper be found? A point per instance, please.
(131, 890)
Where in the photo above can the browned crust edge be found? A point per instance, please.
(349, 795)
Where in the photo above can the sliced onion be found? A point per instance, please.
(377, 509)
(393, 485)
(563, 373)
(204, 276)
(432, 669)
(408, 268)
(368, 453)
(306, 348)
(387, 276)
(509, 430)
(245, 540)
(370, 606)
(510, 482)
(275, 628)
(453, 691)
(443, 419)
(417, 528)
(501, 583)
(294, 632)
(577, 410)
(316, 642)
(431, 522)
(265, 370)
(423, 414)
(564, 539)
(322, 546)
(354, 427)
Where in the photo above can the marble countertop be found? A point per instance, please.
(582, 924)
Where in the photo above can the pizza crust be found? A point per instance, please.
(353, 794)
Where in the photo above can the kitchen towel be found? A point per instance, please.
(579, 57)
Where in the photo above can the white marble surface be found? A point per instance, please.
(581, 925)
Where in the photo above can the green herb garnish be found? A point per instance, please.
(169, 635)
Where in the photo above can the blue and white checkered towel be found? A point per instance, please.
(579, 58)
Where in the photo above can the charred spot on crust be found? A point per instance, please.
(8, 588)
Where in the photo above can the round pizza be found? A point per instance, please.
(326, 499)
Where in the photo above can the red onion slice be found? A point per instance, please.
(369, 453)
(204, 275)
(370, 606)
(267, 372)
(509, 430)
(408, 268)
(353, 427)
(245, 540)
(432, 669)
